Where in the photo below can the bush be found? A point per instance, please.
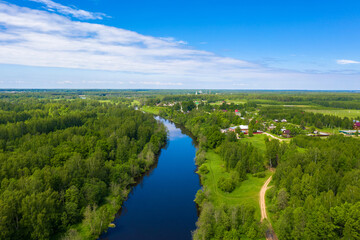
(200, 157)
(227, 184)
(259, 175)
(203, 169)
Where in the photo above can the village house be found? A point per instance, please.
(243, 128)
(348, 132)
(356, 126)
(271, 127)
(284, 120)
(237, 113)
(286, 133)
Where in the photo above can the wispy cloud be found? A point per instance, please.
(39, 38)
(72, 11)
(344, 61)
(45, 38)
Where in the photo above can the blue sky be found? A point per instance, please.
(180, 44)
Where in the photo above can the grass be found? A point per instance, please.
(238, 101)
(246, 193)
(350, 113)
(258, 141)
(330, 130)
(135, 103)
(152, 110)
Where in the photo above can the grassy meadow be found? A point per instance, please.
(247, 192)
(152, 110)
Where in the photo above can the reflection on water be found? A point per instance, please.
(162, 205)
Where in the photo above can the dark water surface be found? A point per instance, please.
(162, 205)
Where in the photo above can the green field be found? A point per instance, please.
(350, 113)
(237, 101)
(152, 110)
(258, 140)
(135, 103)
(246, 193)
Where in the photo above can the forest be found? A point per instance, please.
(316, 193)
(67, 166)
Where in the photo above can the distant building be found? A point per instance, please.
(243, 128)
(286, 133)
(284, 120)
(237, 113)
(271, 127)
(356, 126)
(348, 132)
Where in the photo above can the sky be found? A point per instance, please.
(198, 44)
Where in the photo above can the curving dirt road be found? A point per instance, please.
(270, 234)
(280, 139)
(262, 198)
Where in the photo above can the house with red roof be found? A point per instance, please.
(356, 126)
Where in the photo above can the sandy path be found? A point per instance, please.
(270, 135)
(262, 198)
(270, 234)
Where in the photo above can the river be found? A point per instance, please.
(161, 205)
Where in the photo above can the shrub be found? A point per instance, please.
(203, 169)
(259, 175)
(227, 184)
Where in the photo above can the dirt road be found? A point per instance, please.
(270, 135)
(270, 234)
(262, 198)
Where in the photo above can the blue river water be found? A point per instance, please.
(162, 205)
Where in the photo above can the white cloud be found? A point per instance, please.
(77, 13)
(65, 82)
(37, 38)
(344, 61)
(158, 83)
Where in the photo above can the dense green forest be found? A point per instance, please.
(68, 162)
(316, 193)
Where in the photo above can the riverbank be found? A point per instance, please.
(98, 219)
(162, 206)
(241, 204)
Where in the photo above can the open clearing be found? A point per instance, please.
(247, 192)
(257, 140)
(153, 110)
(350, 113)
